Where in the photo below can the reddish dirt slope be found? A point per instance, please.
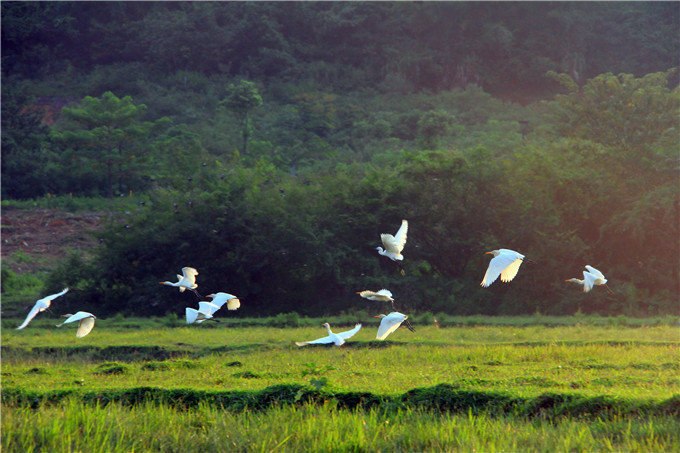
(44, 236)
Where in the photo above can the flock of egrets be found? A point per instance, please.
(505, 263)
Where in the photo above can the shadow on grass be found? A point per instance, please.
(440, 398)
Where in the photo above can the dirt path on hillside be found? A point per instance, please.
(37, 239)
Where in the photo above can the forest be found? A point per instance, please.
(269, 144)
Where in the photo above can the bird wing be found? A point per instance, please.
(189, 275)
(367, 294)
(594, 271)
(588, 281)
(86, 325)
(385, 293)
(77, 317)
(233, 304)
(186, 271)
(191, 315)
(324, 340)
(400, 237)
(395, 244)
(389, 324)
(349, 333)
(54, 296)
(207, 308)
(37, 308)
(220, 299)
(496, 266)
(509, 273)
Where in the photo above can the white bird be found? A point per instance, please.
(337, 338)
(85, 324)
(390, 323)
(394, 244)
(591, 277)
(205, 311)
(383, 295)
(185, 281)
(505, 263)
(219, 299)
(40, 305)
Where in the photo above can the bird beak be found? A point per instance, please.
(488, 253)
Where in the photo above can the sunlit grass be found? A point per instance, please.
(72, 426)
(629, 367)
(635, 363)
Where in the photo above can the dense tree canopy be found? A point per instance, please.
(273, 142)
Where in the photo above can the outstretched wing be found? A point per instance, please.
(497, 265)
(349, 333)
(207, 308)
(595, 272)
(588, 281)
(233, 304)
(189, 274)
(59, 294)
(395, 244)
(37, 308)
(511, 271)
(324, 340)
(86, 325)
(191, 314)
(389, 324)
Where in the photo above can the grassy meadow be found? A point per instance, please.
(133, 385)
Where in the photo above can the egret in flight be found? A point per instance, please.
(219, 299)
(205, 311)
(383, 295)
(185, 281)
(85, 322)
(394, 244)
(337, 338)
(504, 263)
(40, 305)
(390, 323)
(591, 277)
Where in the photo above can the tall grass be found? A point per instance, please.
(73, 426)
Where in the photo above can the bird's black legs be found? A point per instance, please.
(409, 326)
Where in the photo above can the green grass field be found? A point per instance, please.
(217, 387)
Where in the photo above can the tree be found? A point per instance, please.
(107, 132)
(242, 98)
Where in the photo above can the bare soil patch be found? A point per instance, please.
(37, 239)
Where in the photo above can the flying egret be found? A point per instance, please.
(205, 311)
(394, 244)
(185, 281)
(390, 323)
(40, 305)
(504, 263)
(85, 322)
(383, 295)
(337, 338)
(591, 277)
(219, 299)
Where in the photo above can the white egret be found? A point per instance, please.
(390, 323)
(505, 263)
(383, 295)
(591, 277)
(85, 322)
(337, 338)
(394, 244)
(185, 281)
(205, 311)
(40, 305)
(233, 302)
